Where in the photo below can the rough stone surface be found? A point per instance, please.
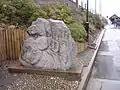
(49, 45)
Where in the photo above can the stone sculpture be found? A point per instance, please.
(49, 45)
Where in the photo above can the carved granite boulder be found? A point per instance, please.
(49, 45)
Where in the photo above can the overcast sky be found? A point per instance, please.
(108, 7)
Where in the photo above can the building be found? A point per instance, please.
(114, 18)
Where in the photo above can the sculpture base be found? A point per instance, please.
(68, 74)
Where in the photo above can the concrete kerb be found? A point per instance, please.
(94, 44)
(87, 75)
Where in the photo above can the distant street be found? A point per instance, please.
(106, 71)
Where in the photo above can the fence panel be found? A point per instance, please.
(11, 41)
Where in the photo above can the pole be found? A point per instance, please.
(87, 21)
(87, 11)
(100, 16)
(95, 6)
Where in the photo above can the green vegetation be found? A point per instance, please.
(23, 12)
(19, 12)
(77, 31)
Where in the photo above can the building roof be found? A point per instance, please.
(114, 16)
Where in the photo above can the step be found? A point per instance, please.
(103, 84)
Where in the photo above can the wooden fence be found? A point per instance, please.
(11, 41)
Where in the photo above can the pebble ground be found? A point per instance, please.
(10, 81)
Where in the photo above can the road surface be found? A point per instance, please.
(106, 70)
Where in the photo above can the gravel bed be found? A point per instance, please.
(39, 82)
(10, 81)
(6, 78)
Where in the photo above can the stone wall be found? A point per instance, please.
(45, 1)
(70, 3)
(81, 47)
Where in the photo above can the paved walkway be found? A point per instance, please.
(106, 71)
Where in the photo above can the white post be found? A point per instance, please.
(95, 6)
(82, 4)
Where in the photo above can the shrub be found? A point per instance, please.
(19, 12)
(58, 12)
(77, 31)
